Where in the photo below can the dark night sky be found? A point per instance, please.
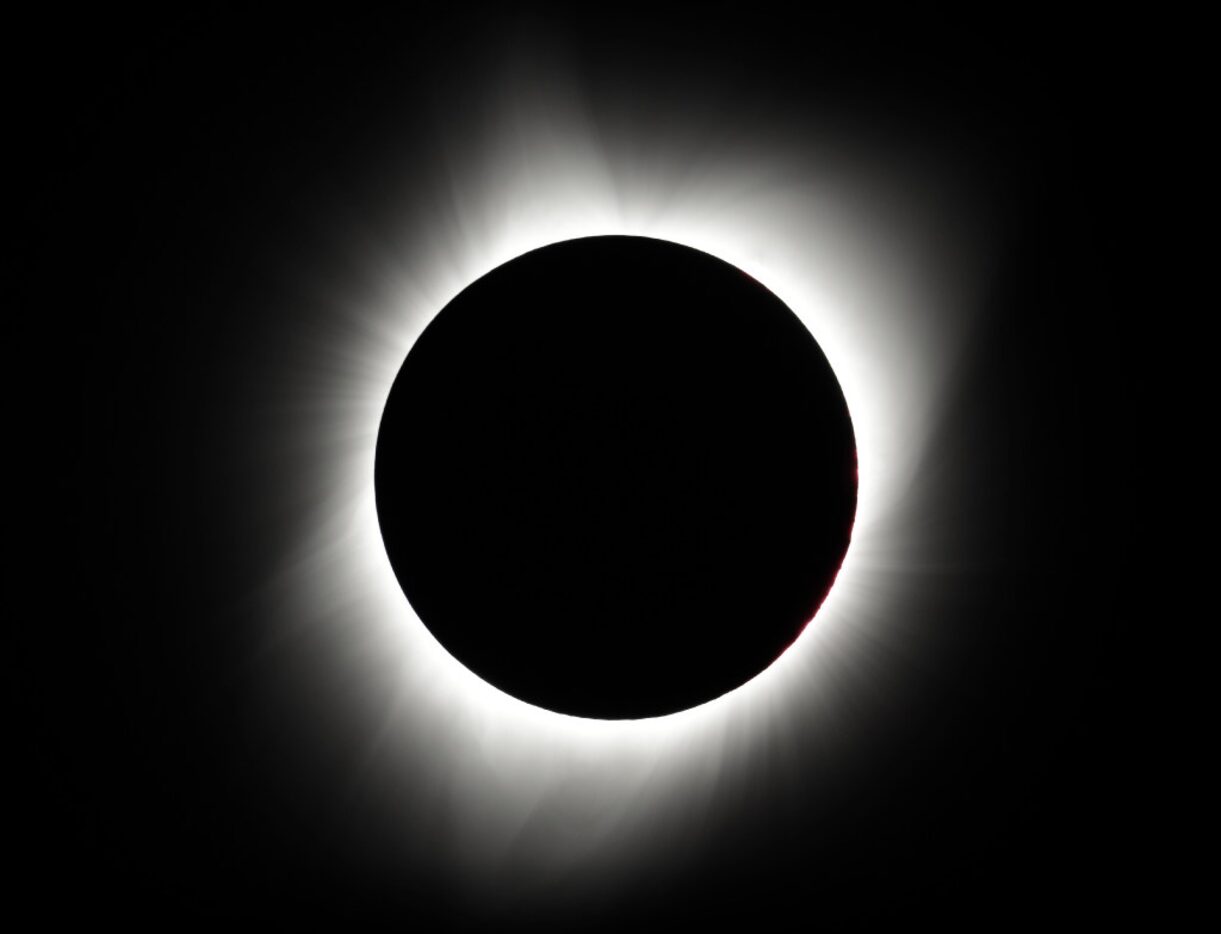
(170, 166)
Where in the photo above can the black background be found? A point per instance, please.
(168, 162)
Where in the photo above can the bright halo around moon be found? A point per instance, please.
(859, 249)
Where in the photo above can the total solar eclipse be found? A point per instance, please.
(616, 477)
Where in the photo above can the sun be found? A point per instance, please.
(859, 254)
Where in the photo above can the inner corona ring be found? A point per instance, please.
(616, 477)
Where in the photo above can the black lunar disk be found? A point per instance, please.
(616, 477)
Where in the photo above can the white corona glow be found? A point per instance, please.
(859, 252)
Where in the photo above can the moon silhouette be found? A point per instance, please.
(616, 477)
